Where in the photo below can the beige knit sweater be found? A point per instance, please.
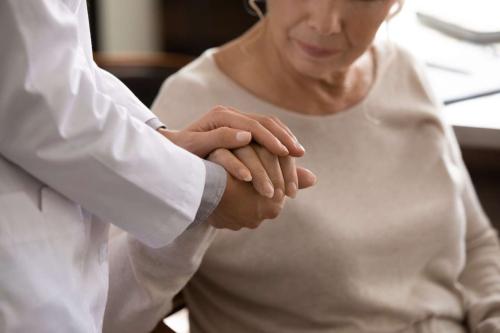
(391, 239)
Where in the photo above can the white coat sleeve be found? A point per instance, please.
(121, 95)
(57, 125)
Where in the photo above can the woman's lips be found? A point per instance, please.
(315, 51)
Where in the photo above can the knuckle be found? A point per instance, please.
(254, 123)
(223, 133)
(218, 108)
(218, 111)
(268, 122)
(275, 119)
(228, 135)
(274, 212)
(216, 154)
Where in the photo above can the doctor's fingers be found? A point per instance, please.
(202, 143)
(223, 137)
(280, 130)
(223, 117)
(231, 163)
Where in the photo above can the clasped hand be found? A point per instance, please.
(258, 153)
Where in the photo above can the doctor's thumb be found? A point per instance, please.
(222, 137)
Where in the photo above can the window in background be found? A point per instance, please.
(458, 69)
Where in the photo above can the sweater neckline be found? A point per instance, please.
(382, 58)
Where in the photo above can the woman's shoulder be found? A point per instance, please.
(189, 92)
(393, 56)
(201, 73)
(404, 73)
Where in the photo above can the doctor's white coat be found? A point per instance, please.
(73, 140)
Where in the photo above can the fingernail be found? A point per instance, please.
(315, 179)
(243, 136)
(292, 189)
(245, 175)
(299, 146)
(268, 190)
(313, 176)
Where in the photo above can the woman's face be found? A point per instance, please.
(322, 37)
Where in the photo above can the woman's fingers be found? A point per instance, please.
(231, 163)
(222, 137)
(289, 172)
(305, 178)
(261, 181)
(272, 166)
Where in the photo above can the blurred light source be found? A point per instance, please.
(179, 321)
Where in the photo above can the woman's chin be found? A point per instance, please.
(312, 70)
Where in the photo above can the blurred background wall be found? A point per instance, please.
(129, 25)
(182, 26)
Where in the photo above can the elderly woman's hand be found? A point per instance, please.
(271, 176)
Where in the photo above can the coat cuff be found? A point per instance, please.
(215, 185)
(155, 123)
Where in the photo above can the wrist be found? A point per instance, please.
(168, 134)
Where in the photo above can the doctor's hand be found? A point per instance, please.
(224, 127)
(267, 172)
(242, 207)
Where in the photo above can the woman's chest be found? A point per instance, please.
(384, 205)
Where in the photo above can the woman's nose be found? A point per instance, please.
(325, 16)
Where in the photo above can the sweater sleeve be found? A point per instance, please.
(151, 278)
(480, 278)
